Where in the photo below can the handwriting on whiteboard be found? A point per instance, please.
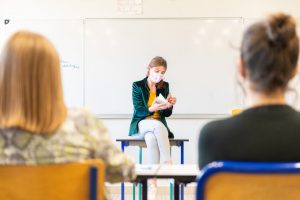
(67, 64)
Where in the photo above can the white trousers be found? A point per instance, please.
(156, 137)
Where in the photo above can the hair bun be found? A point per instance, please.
(281, 29)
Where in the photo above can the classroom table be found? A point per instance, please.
(142, 144)
(131, 141)
(182, 174)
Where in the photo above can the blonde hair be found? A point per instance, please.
(31, 95)
(155, 62)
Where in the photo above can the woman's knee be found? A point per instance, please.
(150, 140)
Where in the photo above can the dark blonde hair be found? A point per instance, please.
(156, 62)
(270, 51)
(31, 96)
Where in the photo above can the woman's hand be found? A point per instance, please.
(172, 100)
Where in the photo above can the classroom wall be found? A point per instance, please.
(151, 8)
(79, 9)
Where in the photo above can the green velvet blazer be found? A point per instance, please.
(140, 97)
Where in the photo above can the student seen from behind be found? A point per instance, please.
(269, 129)
(35, 126)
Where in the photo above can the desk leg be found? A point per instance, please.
(176, 191)
(122, 184)
(133, 191)
(145, 189)
(140, 162)
(182, 153)
(171, 183)
(182, 162)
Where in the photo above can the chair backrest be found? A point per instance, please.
(249, 181)
(70, 181)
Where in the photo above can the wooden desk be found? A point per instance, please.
(182, 174)
(141, 143)
(129, 141)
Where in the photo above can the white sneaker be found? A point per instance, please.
(152, 192)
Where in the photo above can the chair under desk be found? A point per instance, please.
(125, 142)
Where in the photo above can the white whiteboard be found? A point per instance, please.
(102, 57)
(199, 52)
(67, 37)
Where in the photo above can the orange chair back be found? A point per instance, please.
(235, 186)
(69, 181)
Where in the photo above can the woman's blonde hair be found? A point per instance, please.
(155, 62)
(31, 96)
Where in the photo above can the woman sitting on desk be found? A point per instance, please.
(152, 103)
(270, 129)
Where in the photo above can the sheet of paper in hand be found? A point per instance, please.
(160, 99)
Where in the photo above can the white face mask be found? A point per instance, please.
(156, 77)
